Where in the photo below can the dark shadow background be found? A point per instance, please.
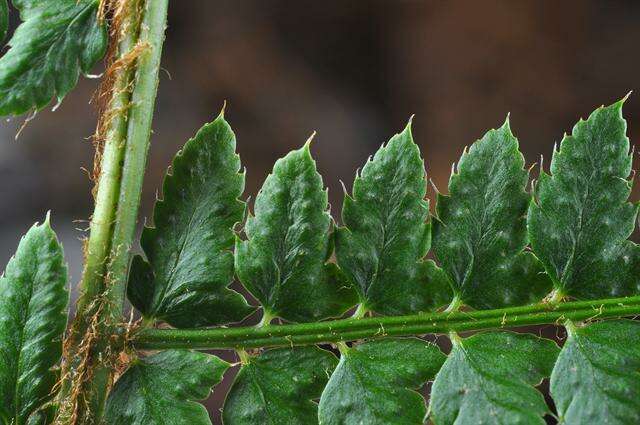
(354, 71)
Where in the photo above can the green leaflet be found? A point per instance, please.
(373, 383)
(489, 378)
(4, 19)
(33, 317)
(283, 262)
(481, 232)
(189, 249)
(386, 234)
(596, 379)
(581, 221)
(161, 389)
(278, 386)
(58, 40)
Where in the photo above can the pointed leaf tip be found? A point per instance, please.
(626, 96)
(307, 144)
(408, 129)
(507, 121)
(47, 219)
(410, 121)
(223, 110)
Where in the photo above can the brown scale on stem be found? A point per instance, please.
(91, 341)
(116, 12)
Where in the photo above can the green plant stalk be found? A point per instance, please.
(376, 327)
(108, 185)
(143, 99)
(113, 127)
(138, 132)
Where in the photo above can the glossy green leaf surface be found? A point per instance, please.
(283, 260)
(33, 317)
(57, 41)
(374, 383)
(596, 379)
(581, 219)
(278, 386)
(190, 263)
(481, 232)
(490, 378)
(386, 235)
(162, 389)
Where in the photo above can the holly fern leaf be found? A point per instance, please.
(480, 233)
(278, 386)
(386, 235)
(57, 41)
(374, 383)
(33, 304)
(581, 221)
(189, 261)
(596, 378)
(163, 389)
(490, 378)
(283, 261)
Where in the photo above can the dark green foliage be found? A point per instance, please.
(161, 389)
(578, 224)
(596, 379)
(480, 236)
(387, 235)
(374, 383)
(481, 232)
(581, 219)
(189, 249)
(57, 41)
(33, 316)
(489, 378)
(283, 262)
(278, 386)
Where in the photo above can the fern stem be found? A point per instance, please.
(113, 127)
(112, 130)
(135, 159)
(375, 327)
(101, 307)
(143, 98)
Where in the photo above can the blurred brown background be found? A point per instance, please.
(354, 71)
